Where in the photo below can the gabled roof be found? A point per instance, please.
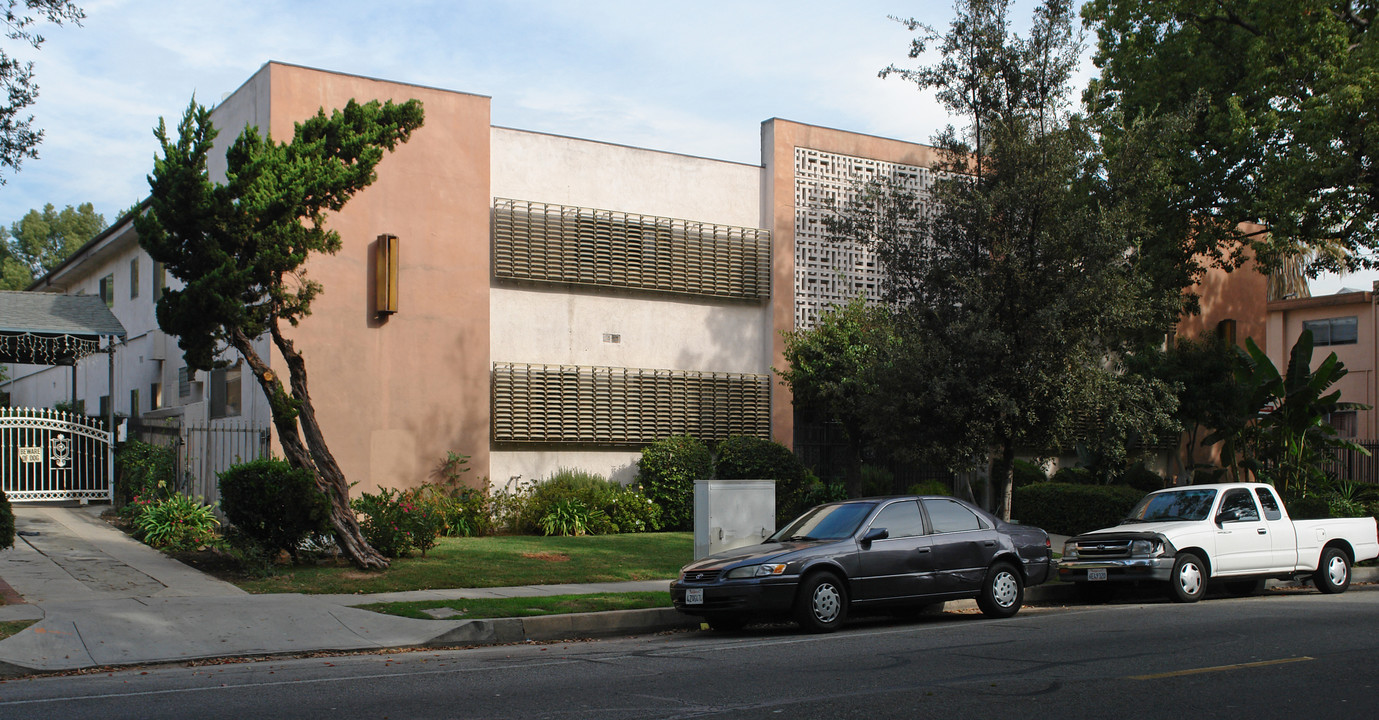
(52, 329)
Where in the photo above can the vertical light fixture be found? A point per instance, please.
(385, 285)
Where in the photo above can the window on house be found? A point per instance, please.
(160, 280)
(1333, 331)
(1343, 422)
(225, 391)
(134, 403)
(184, 382)
(155, 396)
(108, 290)
(105, 406)
(133, 278)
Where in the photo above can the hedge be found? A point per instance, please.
(1071, 509)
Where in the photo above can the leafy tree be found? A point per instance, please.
(1279, 99)
(239, 247)
(1285, 429)
(42, 240)
(18, 138)
(831, 372)
(1202, 373)
(1017, 293)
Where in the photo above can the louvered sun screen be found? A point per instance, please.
(563, 244)
(625, 406)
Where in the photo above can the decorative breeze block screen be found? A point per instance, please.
(602, 405)
(828, 272)
(568, 245)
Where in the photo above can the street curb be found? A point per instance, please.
(545, 628)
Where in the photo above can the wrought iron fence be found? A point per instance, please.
(1353, 465)
(53, 455)
(204, 450)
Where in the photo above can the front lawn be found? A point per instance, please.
(498, 561)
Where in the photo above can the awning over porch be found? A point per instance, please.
(40, 328)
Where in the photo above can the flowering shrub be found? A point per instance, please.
(630, 511)
(396, 523)
(144, 474)
(176, 523)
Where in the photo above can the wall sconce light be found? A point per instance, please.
(385, 286)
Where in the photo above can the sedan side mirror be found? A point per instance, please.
(875, 534)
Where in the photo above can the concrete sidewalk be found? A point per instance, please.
(102, 598)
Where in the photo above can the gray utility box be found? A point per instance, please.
(732, 513)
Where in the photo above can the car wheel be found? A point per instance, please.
(1003, 591)
(727, 624)
(1244, 588)
(1333, 573)
(822, 603)
(1189, 580)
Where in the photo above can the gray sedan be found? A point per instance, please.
(894, 553)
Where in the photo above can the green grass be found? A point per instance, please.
(525, 607)
(14, 627)
(497, 562)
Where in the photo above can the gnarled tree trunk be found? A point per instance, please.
(285, 418)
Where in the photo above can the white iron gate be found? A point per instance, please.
(53, 455)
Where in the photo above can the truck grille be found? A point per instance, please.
(1099, 549)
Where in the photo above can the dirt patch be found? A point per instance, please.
(547, 556)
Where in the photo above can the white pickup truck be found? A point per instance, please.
(1238, 533)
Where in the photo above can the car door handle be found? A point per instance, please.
(921, 551)
(990, 543)
(1262, 531)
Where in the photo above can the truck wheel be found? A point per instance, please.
(1002, 591)
(1333, 572)
(1189, 580)
(822, 604)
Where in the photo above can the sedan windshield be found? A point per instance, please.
(1169, 506)
(826, 522)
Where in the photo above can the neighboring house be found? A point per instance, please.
(1343, 323)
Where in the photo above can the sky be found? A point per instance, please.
(690, 77)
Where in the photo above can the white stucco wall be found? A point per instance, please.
(559, 327)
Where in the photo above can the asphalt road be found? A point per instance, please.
(1280, 655)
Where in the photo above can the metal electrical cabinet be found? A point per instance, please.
(732, 513)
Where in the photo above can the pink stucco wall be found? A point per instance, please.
(395, 395)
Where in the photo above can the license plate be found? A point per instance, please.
(1094, 575)
(695, 596)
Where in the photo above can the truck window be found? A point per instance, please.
(1269, 503)
(1240, 501)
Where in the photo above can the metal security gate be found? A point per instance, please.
(53, 455)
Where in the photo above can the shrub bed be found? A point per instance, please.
(1070, 509)
(666, 474)
(274, 504)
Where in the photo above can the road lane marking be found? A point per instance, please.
(1220, 668)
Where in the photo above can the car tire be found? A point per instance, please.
(727, 624)
(822, 603)
(1188, 582)
(1333, 572)
(1244, 588)
(1003, 591)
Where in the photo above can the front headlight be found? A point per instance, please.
(751, 571)
(1144, 548)
(1070, 550)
